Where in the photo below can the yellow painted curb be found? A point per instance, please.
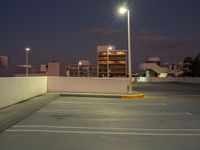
(133, 96)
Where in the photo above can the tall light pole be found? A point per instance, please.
(124, 10)
(88, 69)
(79, 64)
(108, 49)
(27, 50)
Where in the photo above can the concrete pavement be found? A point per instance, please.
(167, 118)
(13, 114)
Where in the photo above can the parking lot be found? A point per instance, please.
(168, 118)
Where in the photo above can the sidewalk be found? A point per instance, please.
(14, 113)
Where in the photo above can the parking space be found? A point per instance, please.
(159, 121)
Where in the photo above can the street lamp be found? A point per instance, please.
(88, 69)
(79, 64)
(124, 10)
(108, 49)
(27, 50)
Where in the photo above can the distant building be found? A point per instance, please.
(51, 69)
(82, 69)
(111, 62)
(175, 69)
(43, 68)
(4, 70)
(155, 68)
(3, 62)
(84, 62)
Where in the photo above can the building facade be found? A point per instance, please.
(3, 62)
(111, 62)
(155, 68)
(53, 69)
(4, 70)
(50, 69)
(82, 69)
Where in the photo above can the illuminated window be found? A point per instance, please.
(120, 53)
(102, 62)
(122, 62)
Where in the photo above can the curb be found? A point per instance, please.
(133, 96)
(123, 96)
(91, 95)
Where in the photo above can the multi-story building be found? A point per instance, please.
(3, 61)
(82, 69)
(53, 69)
(4, 70)
(155, 68)
(175, 69)
(111, 62)
(43, 68)
(50, 69)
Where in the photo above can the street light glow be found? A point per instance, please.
(110, 48)
(123, 10)
(27, 49)
(80, 63)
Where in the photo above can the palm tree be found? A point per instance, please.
(196, 66)
(187, 67)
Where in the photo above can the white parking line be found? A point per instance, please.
(106, 128)
(144, 113)
(109, 103)
(104, 133)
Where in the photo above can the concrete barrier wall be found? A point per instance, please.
(169, 79)
(16, 89)
(87, 85)
(195, 80)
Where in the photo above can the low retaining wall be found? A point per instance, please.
(17, 89)
(195, 80)
(87, 85)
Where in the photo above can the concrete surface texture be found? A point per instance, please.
(167, 118)
(14, 90)
(23, 88)
(92, 85)
(13, 114)
(195, 80)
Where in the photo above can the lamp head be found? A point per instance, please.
(123, 10)
(27, 49)
(110, 48)
(80, 63)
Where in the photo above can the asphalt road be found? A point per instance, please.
(168, 118)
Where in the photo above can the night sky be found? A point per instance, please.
(69, 30)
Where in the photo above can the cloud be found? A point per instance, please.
(145, 38)
(149, 40)
(103, 32)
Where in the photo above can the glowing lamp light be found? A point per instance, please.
(123, 10)
(79, 63)
(27, 49)
(110, 48)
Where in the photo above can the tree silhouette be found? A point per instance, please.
(191, 67)
(196, 66)
(187, 67)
